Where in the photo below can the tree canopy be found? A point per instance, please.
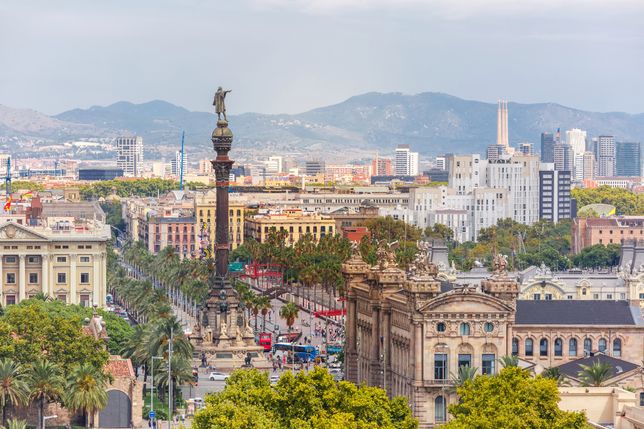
(304, 401)
(625, 201)
(511, 399)
(35, 328)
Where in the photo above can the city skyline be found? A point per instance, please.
(99, 54)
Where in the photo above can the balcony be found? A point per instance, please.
(438, 382)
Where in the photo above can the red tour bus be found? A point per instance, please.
(266, 341)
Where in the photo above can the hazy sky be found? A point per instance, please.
(293, 55)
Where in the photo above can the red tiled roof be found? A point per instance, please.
(119, 367)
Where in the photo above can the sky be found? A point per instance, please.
(288, 56)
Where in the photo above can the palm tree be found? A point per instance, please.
(289, 313)
(509, 361)
(13, 387)
(596, 374)
(465, 373)
(555, 374)
(181, 373)
(86, 391)
(15, 424)
(46, 384)
(264, 304)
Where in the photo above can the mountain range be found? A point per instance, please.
(431, 123)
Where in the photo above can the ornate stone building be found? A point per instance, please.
(409, 332)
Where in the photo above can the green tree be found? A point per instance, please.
(626, 202)
(289, 313)
(15, 424)
(596, 374)
(46, 384)
(308, 400)
(86, 391)
(511, 399)
(13, 385)
(598, 255)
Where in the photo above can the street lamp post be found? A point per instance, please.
(152, 382)
(45, 418)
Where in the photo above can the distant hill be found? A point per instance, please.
(431, 123)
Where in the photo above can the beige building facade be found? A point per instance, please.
(296, 223)
(64, 259)
(409, 332)
(205, 207)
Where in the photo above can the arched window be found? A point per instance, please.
(558, 347)
(601, 345)
(588, 345)
(465, 329)
(528, 347)
(515, 346)
(572, 347)
(439, 409)
(488, 327)
(617, 347)
(543, 347)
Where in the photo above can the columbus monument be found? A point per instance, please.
(223, 335)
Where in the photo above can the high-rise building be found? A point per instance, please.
(405, 161)
(547, 148)
(313, 168)
(576, 138)
(175, 164)
(628, 159)
(381, 166)
(129, 152)
(4, 163)
(564, 159)
(589, 166)
(554, 194)
(205, 166)
(274, 164)
(526, 148)
(605, 156)
(519, 175)
(502, 124)
(440, 163)
(466, 172)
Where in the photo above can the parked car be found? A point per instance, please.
(275, 378)
(218, 376)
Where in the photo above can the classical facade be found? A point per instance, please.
(294, 222)
(410, 331)
(63, 258)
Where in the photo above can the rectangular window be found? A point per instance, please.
(84, 259)
(548, 297)
(33, 259)
(61, 278)
(440, 366)
(61, 258)
(10, 259)
(84, 300)
(487, 367)
(10, 299)
(61, 297)
(84, 278)
(11, 278)
(536, 296)
(33, 277)
(464, 360)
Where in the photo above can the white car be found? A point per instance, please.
(274, 378)
(218, 376)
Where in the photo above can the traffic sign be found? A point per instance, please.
(152, 414)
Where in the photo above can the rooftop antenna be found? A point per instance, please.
(183, 133)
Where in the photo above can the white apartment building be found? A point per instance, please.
(205, 167)
(274, 165)
(465, 172)
(129, 152)
(576, 138)
(175, 163)
(589, 166)
(405, 161)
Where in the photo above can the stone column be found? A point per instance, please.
(386, 350)
(44, 275)
(96, 280)
(72, 279)
(375, 376)
(351, 360)
(2, 302)
(22, 282)
(418, 352)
